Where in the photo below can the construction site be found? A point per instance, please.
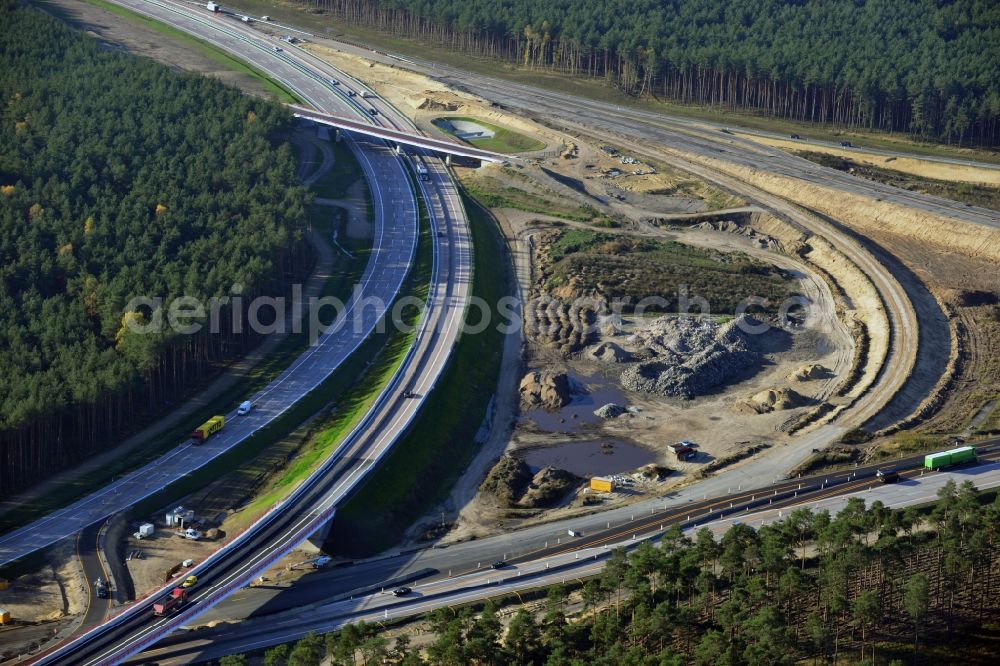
(682, 313)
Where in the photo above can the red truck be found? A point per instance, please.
(177, 597)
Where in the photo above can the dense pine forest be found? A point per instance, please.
(926, 67)
(868, 585)
(120, 177)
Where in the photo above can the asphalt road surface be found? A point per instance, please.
(314, 503)
(554, 565)
(395, 235)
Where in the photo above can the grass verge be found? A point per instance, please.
(349, 397)
(494, 191)
(420, 471)
(503, 140)
(272, 87)
(339, 402)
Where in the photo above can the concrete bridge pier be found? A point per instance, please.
(314, 545)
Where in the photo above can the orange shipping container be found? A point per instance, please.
(602, 484)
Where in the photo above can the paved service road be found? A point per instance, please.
(395, 234)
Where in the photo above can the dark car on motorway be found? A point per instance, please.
(401, 591)
(887, 475)
(499, 564)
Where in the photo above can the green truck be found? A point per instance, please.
(951, 457)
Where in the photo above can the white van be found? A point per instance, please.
(244, 408)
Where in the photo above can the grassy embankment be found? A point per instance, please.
(341, 402)
(503, 140)
(308, 17)
(631, 269)
(495, 191)
(344, 274)
(976, 195)
(419, 473)
(272, 87)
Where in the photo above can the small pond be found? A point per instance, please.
(597, 457)
(589, 393)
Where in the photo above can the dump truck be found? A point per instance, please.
(602, 484)
(208, 428)
(422, 172)
(950, 457)
(168, 604)
(683, 450)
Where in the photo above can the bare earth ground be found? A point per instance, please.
(579, 172)
(44, 603)
(710, 420)
(138, 39)
(934, 271)
(160, 554)
(915, 166)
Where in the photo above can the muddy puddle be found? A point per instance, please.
(589, 393)
(598, 457)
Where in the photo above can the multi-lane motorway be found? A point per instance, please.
(464, 575)
(314, 503)
(395, 236)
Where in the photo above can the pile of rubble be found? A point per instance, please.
(688, 357)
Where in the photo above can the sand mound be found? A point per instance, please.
(771, 400)
(608, 352)
(545, 389)
(548, 487)
(434, 100)
(808, 372)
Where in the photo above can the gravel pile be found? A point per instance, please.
(689, 357)
(609, 411)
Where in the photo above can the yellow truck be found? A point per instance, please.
(208, 428)
(602, 484)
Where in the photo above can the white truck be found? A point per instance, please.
(422, 172)
(367, 95)
(213, 7)
(244, 408)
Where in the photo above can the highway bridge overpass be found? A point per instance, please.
(397, 136)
